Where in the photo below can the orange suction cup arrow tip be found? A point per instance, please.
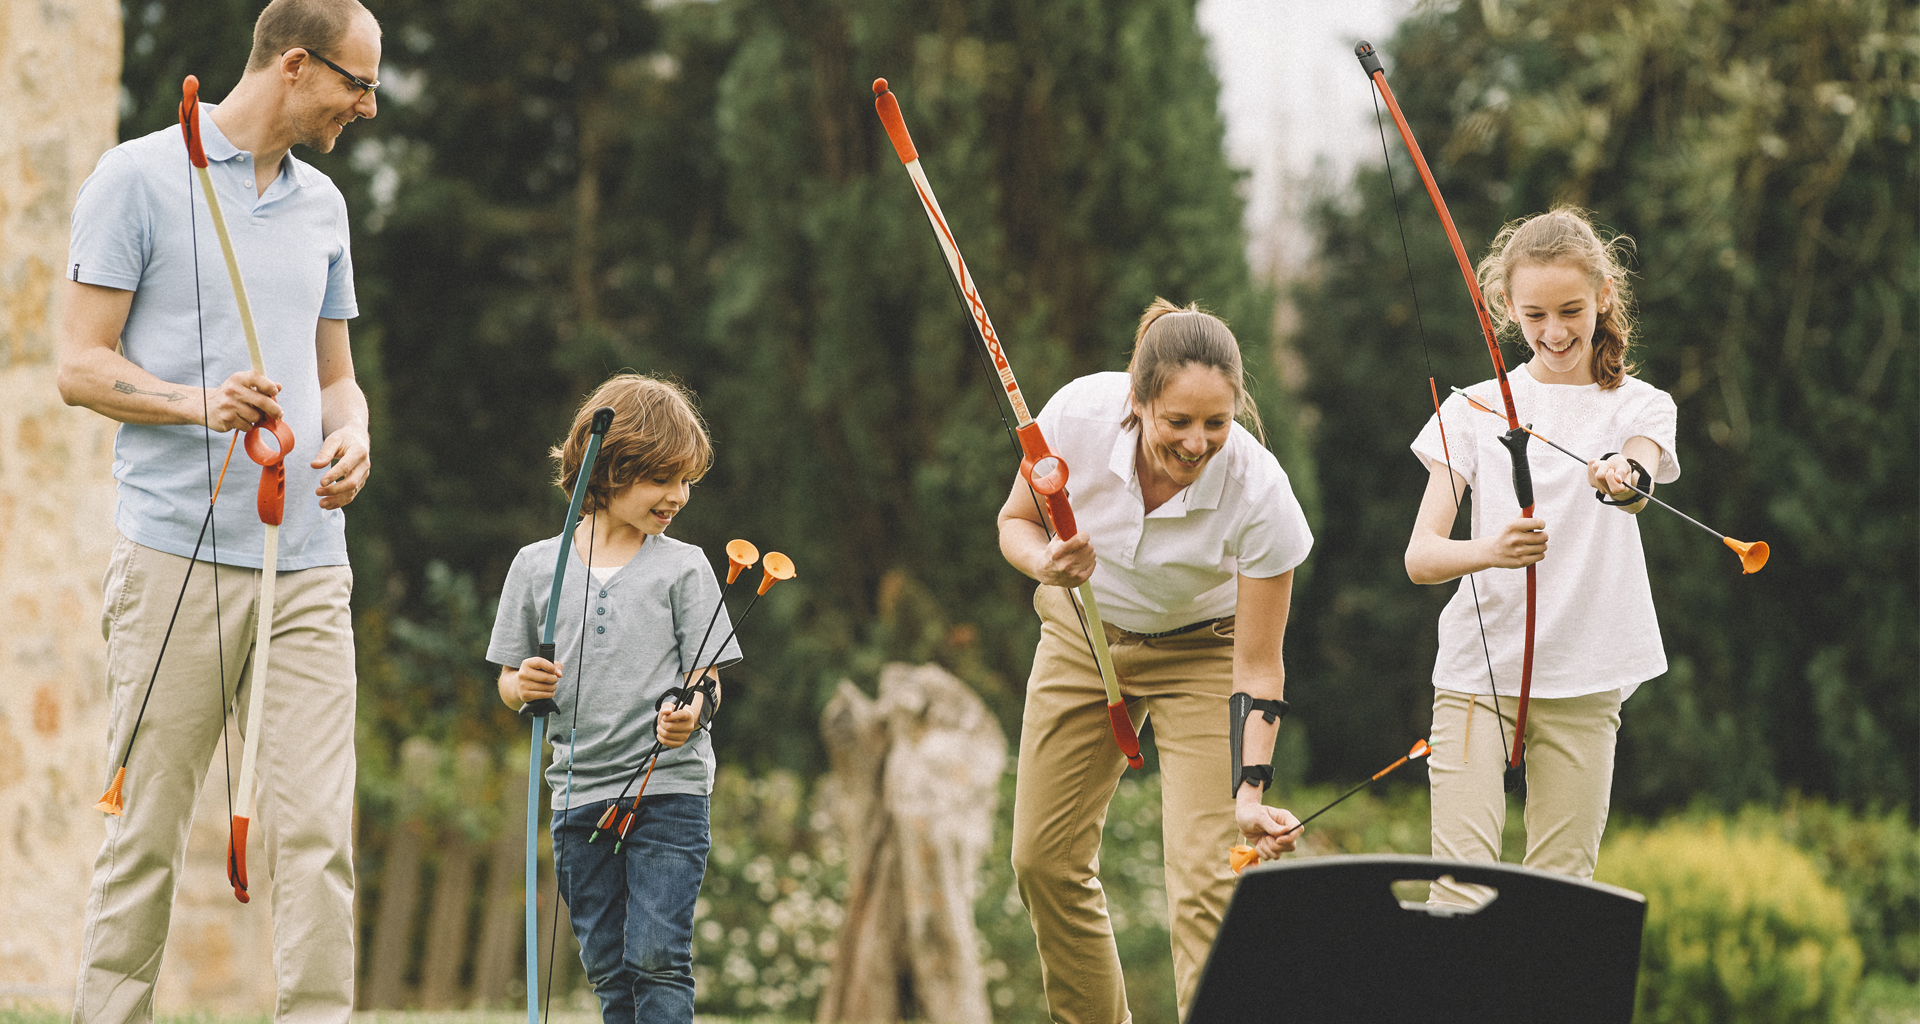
(1420, 749)
(1242, 857)
(777, 567)
(110, 801)
(1753, 554)
(879, 86)
(740, 555)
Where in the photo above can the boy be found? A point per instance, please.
(634, 620)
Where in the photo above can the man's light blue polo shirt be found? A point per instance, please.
(131, 231)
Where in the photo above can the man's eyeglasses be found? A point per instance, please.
(354, 80)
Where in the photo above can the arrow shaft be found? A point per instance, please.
(1584, 461)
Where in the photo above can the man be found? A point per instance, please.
(152, 338)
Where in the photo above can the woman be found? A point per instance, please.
(1190, 534)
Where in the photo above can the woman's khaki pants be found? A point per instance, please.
(1069, 768)
(1569, 759)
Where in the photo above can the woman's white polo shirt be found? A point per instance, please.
(1176, 565)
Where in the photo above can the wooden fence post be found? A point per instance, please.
(452, 904)
(386, 968)
(496, 961)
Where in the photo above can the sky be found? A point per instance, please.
(1298, 108)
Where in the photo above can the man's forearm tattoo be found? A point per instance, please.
(127, 389)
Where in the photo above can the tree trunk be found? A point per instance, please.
(914, 784)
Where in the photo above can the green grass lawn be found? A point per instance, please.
(41, 1014)
(1882, 1000)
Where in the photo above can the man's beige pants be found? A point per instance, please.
(1569, 759)
(1069, 768)
(304, 812)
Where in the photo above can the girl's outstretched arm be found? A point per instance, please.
(1613, 474)
(1434, 557)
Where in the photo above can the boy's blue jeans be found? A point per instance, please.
(633, 911)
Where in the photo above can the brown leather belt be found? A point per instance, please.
(1127, 634)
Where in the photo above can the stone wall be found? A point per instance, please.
(60, 66)
(60, 70)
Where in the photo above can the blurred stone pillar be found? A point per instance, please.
(60, 72)
(915, 779)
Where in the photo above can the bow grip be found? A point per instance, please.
(544, 706)
(1516, 442)
(1047, 476)
(272, 501)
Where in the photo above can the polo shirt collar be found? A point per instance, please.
(1203, 493)
(217, 147)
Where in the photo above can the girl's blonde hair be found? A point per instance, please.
(1170, 337)
(1565, 236)
(655, 429)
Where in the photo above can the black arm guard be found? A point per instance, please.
(1239, 707)
(1641, 479)
(681, 696)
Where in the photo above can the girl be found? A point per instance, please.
(1195, 534)
(636, 636)
(1562, 286)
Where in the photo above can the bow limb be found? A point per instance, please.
(1515, 439)
(1045, 472)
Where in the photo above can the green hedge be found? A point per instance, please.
(1740, 927)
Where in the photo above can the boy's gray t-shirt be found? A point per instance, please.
(645, 627)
